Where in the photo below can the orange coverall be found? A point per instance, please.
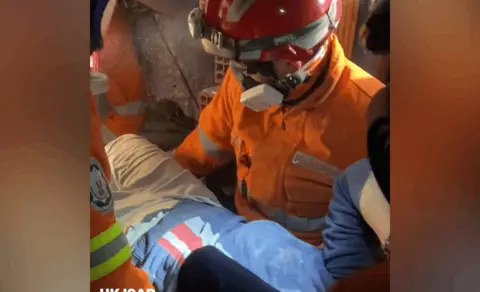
(286, 158)
(126, 86)
(110, 253)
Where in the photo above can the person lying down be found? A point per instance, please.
(167, 213)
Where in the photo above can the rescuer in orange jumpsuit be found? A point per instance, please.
(291, 109)
(120, 91)
(110, 254)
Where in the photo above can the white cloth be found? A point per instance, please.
(146, 180)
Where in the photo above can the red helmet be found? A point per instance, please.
(264, 30)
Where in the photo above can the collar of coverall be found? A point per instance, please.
(335, 69)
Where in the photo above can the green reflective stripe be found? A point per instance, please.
(107, 251)
(105, 237)
(112, 264)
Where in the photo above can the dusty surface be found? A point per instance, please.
(175, 66)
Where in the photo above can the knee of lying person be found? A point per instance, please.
(120, 141)
(137, 163)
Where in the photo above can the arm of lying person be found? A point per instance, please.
(357, 219)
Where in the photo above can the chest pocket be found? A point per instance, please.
(259, 165)
(308, 185)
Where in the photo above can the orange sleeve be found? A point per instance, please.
(126, 275)
(209, 145)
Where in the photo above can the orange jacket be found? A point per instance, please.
(126, 94)
(286, 161)
(110, 254)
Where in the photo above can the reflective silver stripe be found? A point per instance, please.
(108, 251)
(130, 109)
(290, 222)
(99, 87)
(211, 149)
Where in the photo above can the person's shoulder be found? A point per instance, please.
(362, 81)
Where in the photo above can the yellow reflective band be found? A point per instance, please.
(105, 237)
(111, 264)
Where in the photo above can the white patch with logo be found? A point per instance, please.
(100, 193)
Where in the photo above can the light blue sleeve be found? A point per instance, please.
(349, 243)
